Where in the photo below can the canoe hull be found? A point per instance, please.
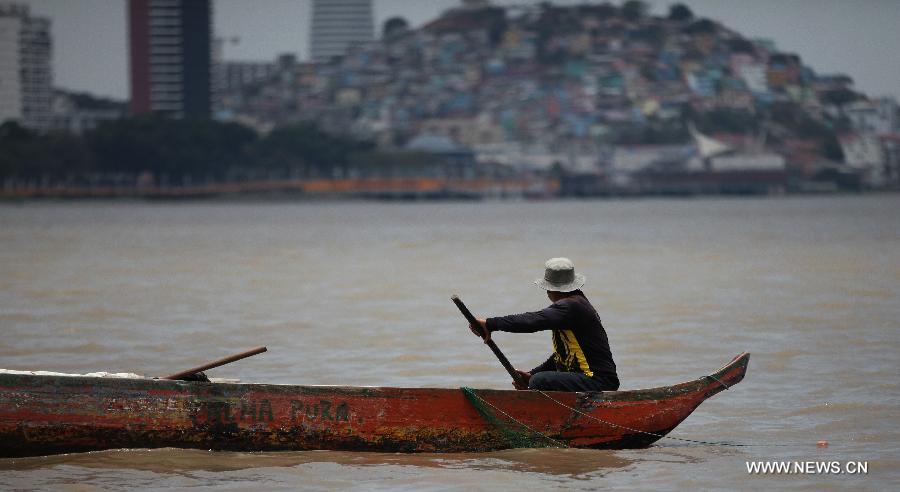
(42, 415)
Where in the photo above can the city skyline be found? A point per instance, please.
(855, 38)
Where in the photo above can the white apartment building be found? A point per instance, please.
(25, 72)
(755, 76)
(339, 24)
(878, 117)
(864, 152)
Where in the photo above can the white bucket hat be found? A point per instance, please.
(560, 276)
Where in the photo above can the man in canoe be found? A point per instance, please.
(581, 359)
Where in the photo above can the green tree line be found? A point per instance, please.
(178, 151)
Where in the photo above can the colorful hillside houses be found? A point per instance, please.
(571, 81)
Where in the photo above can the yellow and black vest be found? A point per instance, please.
(580, 343)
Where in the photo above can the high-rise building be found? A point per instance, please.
(338, 24)
(26, 77)
(171, 68)
(10, 81)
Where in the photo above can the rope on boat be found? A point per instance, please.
(518, 440)
(714, 443)
(515, 439)
(719, 381)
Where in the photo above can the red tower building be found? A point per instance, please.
(170, 42)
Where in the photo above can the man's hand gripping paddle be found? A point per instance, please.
(520, 382)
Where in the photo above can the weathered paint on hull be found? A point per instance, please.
(49, 414)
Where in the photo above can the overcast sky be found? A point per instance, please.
(858, 37)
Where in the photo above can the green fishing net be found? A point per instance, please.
(516, 434)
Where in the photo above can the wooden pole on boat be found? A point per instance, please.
(490, 343)
(217, 363)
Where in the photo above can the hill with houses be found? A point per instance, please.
(598, 90)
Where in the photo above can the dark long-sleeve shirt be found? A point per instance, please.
(580, 343)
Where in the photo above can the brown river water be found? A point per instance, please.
(358, 294)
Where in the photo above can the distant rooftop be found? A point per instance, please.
(435, 144)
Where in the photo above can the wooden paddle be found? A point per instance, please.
(490, 343)
(217, 363)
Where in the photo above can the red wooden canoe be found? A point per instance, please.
(60, 414)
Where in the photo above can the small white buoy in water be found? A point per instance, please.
(822, 443)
